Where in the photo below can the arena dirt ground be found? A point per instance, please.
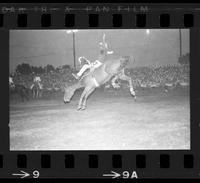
(112, 121)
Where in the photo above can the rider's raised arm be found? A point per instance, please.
(104, 38)
(104, 42)
(104, 48)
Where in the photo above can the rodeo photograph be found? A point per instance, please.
(99, 89)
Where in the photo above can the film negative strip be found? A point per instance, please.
(139, 63)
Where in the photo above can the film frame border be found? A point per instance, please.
(147, 163)
(56, 16)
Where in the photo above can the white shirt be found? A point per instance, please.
(11, 80)
(37, 79)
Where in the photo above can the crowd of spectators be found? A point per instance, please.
(50, 80)
(160, 75)
(141, 77)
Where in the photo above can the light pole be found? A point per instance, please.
(180, 39)
(74, 48)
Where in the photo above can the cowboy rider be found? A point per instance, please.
(37, 80)
(93, 65)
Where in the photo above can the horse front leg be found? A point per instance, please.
(85, 98)
(81, 99)
(82, 102)
(128, 79)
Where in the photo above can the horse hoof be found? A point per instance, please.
(133, 94)
(79, 108)
(83, 108)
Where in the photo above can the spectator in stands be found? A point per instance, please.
(11, 83)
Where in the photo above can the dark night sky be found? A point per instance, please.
(42, 47)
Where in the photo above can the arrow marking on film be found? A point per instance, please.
(113, 175)
(22, 174)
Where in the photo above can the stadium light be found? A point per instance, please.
(73, 31)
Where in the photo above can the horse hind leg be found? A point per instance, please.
(114, 84)
(128, 79)
(40, 93)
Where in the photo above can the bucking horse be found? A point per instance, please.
(110, 69)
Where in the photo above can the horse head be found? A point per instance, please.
(68, 93)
